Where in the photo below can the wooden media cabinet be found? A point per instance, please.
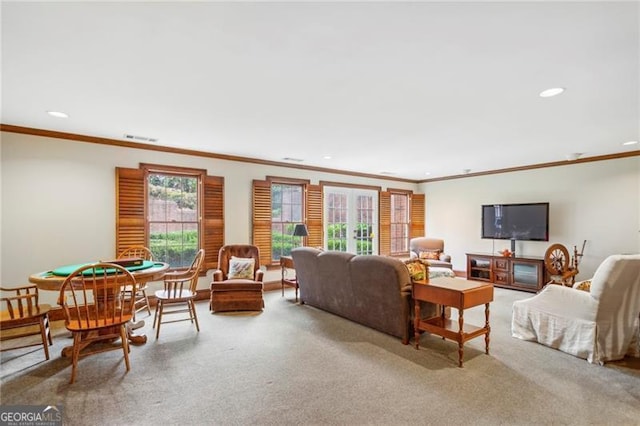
(517, 273)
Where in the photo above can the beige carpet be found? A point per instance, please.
(294, 364)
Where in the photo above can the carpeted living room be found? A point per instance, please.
(378, 213)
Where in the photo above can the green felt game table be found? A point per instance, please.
(53, 279)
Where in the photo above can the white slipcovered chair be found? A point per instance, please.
(598, 325)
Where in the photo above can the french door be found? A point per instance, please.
(351, 218)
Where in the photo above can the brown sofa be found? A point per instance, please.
(371, 290)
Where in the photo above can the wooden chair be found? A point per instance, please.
(97, 307)
(141, 298)
(237, 283)
(23, 312)
(179, 294)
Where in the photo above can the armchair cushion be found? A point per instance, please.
(241, 268)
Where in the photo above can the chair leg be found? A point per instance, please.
(44, 330)
(159, 315)
(48, 328)
(146, 301)
(192, 308)
(155, 316)
(75, 356)
(125, 345)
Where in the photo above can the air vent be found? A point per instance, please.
(297, 160)
(140, 138)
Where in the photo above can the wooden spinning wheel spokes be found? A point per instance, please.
(556, 259)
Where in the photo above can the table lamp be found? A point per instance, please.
(300, 231)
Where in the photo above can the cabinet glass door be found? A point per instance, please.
(525, 274)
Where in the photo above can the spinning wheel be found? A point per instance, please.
(560, 266)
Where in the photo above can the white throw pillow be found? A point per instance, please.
(241, 268)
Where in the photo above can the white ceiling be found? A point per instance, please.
(406, 88)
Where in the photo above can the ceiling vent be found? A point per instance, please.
(140, 138)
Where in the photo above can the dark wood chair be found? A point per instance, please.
(97, 308)
(179, 294)
(22, 312)
(141, 298)
(237, 283)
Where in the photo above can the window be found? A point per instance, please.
(173, 206)
(286, 211)
(174, 211)
(399, 223)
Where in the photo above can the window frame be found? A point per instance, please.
(406, 224)
(131, 210)
(199, 175)
(303, 203)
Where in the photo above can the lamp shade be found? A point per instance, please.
(300, 230)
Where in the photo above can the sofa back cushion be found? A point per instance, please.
(381, 293)
(323, 278)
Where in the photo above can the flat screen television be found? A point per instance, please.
(524, 222)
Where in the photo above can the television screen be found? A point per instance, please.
(528, 222)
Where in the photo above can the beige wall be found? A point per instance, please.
(598, 202)
(58, 199)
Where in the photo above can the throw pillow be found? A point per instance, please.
(241, 268)
(583, 285)
(417, 270)
(430, 254)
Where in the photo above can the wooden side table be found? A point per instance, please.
(459, 294)
(286, 263)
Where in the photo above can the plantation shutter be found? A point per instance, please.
(314, 216)
(416, 227)
(130, 209)
(384, 233)
(261, 232)
(213, 220)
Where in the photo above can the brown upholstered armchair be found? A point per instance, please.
(237, 283)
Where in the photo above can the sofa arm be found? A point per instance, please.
(259, 275)
(217, 275)
(445, 257)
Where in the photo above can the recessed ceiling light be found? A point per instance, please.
(630, 143)
(551, 92)
(58, 114)
(387, 173)
(327, 157)
(297, 160)
(427, 173)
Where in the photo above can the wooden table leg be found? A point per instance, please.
(416, 324)
(460, 336)
(487, 326)
(136, 339)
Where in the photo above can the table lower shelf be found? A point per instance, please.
(450, 329)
